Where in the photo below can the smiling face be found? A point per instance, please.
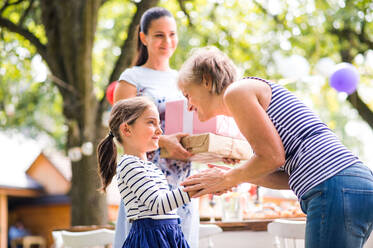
(200, 99)
(143, 135)
(203, 79)
(161, 39)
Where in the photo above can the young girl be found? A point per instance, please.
(150, 205)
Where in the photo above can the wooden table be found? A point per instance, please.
(86, 228)
(248, 225)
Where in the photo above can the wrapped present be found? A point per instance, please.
(179, 119)
(210, 147)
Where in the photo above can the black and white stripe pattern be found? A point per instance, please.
(145, 191)
(313, 152)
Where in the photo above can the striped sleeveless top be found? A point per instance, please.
(313, 153)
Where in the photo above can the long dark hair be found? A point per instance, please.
(146, 19)
(128, 111)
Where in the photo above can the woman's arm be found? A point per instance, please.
(124, 90)
(275, 180)
(246, 102)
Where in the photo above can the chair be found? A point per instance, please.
(287, 233)
(28, 241)
(57, 239)
(99, 237)
(206, 231)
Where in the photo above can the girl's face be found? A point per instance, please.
(161, 39)
(199, 99)
(145, 132)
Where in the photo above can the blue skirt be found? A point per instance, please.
(152, 233)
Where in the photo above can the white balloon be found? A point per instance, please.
(294, 67)
(87, 148)
(369, 60)
(325, 67)
(75, 154)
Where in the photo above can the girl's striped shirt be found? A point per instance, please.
(145, 191)
(313, 153)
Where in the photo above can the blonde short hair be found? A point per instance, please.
(208, 63)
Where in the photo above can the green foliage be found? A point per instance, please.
(25, 104)
(114, 19)
(317, 29)
(250, 32)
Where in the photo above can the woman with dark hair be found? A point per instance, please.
(292, 149)
(152, 76)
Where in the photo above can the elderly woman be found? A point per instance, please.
(292, 148)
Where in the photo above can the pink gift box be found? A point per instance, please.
(179, 119)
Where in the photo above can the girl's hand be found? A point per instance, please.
(173, 146)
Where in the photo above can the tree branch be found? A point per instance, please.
(103, 2)
(27, 35)
(264, 10)
(354, 98)
(348, 33)
(62, 84)
(364, 39)
(361, 107)
(7, 4)
(24, 15)
(182, 7)
(128, 48)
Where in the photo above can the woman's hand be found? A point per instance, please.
(192, 193)
(211, 181)
(173, 146)
(222, 167)
(231, 161)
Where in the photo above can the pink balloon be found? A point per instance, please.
(344, 78)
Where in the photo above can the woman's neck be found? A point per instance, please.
(221, 107)
(158, 64)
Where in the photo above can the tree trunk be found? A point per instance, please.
(70, 27)
(363, 110)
